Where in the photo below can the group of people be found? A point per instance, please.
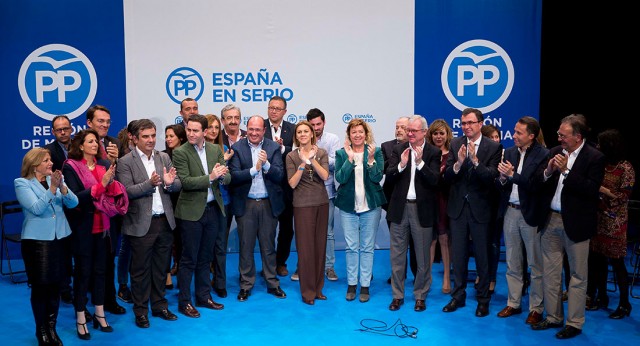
(87, 194)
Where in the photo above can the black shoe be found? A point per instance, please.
(278, 292)
(85, 332)
(482, 310)
(142, 321)
(546, 324)
(453, 305)
(124, 294)
(568, 332)
(66, 296)
(43, 336)
(244, 295)
(98, 325)
(621, 311)
(53, 334)
(221, 292)
(165, 315)
(115, 309)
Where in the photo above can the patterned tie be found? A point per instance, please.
(103, 151)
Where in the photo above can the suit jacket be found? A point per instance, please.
(43, 211)
(425, 181)
(286, 134)
(387, 151)
(473, 183)
(529, 183)
(57, 155)
(580, 193)
(108, 140)
(195, 180)
(225, 138)
(241, 179)
(346, 198)
(133, 175)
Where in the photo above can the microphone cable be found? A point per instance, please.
(398, 329)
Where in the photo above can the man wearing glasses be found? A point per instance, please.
(282, 131)
(471, 170)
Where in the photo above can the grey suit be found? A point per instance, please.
(150, 234)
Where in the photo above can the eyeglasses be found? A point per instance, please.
(561, 136)
(468, 123)
(275, 109)
(62, 129)
(414, 131)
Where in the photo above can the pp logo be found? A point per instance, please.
(184, 82)
(178, 120)
(346, 118)
(292, 118)
(478, 74)
(57, 79)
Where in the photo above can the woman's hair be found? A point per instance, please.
(32, 159)
(611, 144)
(123, 137)
(180, 133)
(295, 132)
(488, 129)
(211, 118)
(368, 139)
(437, 125)
(74, 149)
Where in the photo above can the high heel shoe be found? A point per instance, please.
(97, 325)
(621, 311)
(85, 335)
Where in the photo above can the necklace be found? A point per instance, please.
(91, 166)
(613, 169)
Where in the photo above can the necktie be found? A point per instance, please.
(103, 151)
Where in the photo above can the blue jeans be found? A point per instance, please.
(331, 240)
(360, 235)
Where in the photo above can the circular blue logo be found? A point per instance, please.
(184, 82)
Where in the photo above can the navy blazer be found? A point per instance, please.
(387, 151)
(57, 155)
(529, 182)
(425, 181)
(287, 134)
(580, 193)
(241, 179)
(473, 183)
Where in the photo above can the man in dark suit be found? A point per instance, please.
(61, 128)
(472, 168)
(200, 210)
(522, 211)
(99, 119)
(231, 118)
(387, 186)
(573, 176)
(281, 132)
(414, 171)
(149, 178)
(188, 107)
(256, 201)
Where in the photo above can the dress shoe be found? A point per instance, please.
(396, 304)
(546, 324)
(277, 292)
(142, 321)
(282, 270)
(115, 309)
(85, 332)
(188, 310)
(534, 318)
(165, 315)
(621, 311)
(124, 294)
(221, 292)
(308, 301)
(509, 311)
(568, 332)
(97, 325)
(210, 304)
(364, 294)
(453, 305)
(244, 295)
(168, 287)
(420, 305)
(482, 310)
(351, 292)
(321, 296)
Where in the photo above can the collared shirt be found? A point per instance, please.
(330, 143)
(276, 131)
(202, 154)
(233, 140)
(258, 188)
(360, 196)
(150, 167)
(515, 196)
(411, 194)
(64, 149)
(556, 201)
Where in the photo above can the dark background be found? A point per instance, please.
(587, 68)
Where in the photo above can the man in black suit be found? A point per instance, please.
(414, 172)
(387, 186)
(472, 168)
(573, 176)
(281, 132)
(188, 107)
(522, 211)
(61, 128)
(231, 118)
(99, 119)
(256, 201)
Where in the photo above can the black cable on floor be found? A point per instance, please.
(398, 329)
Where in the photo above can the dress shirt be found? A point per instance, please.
(150, 167)
(331, 143)
(202, 154)
(555, 202)
(258, 188)
(411, 193)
